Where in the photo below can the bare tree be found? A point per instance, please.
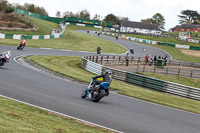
(58, 14)
(96, 17)
(84, 14)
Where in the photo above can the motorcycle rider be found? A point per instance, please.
(22, 43)
(131, 50)
(6, 54)
(106, 77)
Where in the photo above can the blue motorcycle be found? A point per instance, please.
(99, 92)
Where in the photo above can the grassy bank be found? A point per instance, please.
(194, 35)
(72, 40)
(44, 28)
(177, 54)
(70, 66)
(20, 118)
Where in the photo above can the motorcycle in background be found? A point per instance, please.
(21, 46)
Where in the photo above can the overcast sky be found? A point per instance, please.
(135, 10)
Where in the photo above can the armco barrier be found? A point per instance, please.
(194, 48)
(167, 44)
(89, 64)
(22, 37)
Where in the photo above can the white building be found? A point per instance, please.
(139, 27)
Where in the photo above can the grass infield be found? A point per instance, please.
(72, 40)
(17, 117)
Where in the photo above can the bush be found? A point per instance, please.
(10, 24)
(9, 9)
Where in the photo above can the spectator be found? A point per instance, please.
(98, 50)
(159, 57)
(147, 59)
(165, 60)
(127, 53)
(155, 59)
(151, 60)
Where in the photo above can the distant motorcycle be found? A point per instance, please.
(99, 92)
(4, 57)
(21, 46)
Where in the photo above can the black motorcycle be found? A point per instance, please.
(20, 47)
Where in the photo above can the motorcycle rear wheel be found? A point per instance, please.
(99, 96)
(84, 94)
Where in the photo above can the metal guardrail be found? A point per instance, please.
(90, 64)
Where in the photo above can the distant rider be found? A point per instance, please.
(6, 54)
(98, 50)
(23, 43)
(106, 77)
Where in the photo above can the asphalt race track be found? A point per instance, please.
(137, 47)
(115, 111)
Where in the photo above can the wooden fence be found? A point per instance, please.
(173, 68)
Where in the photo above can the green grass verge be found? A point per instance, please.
(70, 66)
(72, 40)
(164, 39)
(21, 118)
(193, 35)
(180, 80)
(177, 54)
(44, 27)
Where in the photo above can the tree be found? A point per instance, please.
(103, 24)
(58, 14)
(9, 9)
(96, 17)
(3, 5)
(41, 10)
(159, 20)
(31, 8)
(113, 19)
(148, 20)
(188, 16)
(84, 14)
(69, 14)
